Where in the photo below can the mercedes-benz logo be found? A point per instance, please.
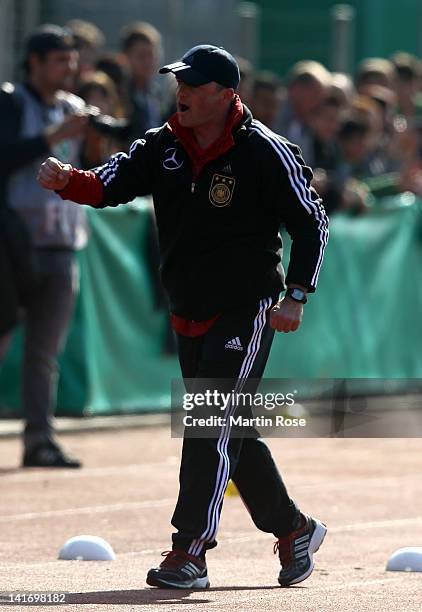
(171, 162)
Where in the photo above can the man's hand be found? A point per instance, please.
(286, 315)
(53, 174)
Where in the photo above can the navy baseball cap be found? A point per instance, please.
(203, 64)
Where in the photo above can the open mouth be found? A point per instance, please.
(182, 108)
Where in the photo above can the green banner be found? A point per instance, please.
(363, 322)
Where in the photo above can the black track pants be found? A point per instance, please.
(208, 463)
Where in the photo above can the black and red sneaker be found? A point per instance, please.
(296, 550)
(179, 570)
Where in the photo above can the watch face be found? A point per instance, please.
(298, 294)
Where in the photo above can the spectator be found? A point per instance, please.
(149, 102)
(146, 97)
(393, 153)
(308, 84)
(342, 87)
(113, 66)
(99, 91)
(354, 140)
(325, 126)
(374, 71)
(407, 72)
(408, 122)
(367, 109)
(89, 40)
(246, 80)
(266, 98)
(37, 119)
(384, 158)
(386, 100)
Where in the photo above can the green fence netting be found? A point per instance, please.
(363, 322)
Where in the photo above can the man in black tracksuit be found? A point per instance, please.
(222, 185)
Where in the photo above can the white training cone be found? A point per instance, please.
(407, 559)
(87, 548)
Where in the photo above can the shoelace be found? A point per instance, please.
(282, 547)
(174, 558)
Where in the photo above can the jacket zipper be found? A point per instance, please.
(192, 187)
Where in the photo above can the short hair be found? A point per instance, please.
(245, 67)
(101, 81)
(111, 65)
(309, 72)
(139, 31)
(266, 80)
(97, 80)
(407, 66)
(384, 96)
(44, 39)
(374, 67)
(342, 87)
(86, 34)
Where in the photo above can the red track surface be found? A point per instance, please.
(368, 492)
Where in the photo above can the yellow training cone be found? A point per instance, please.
(231, 489)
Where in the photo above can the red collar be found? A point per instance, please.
(199, 156)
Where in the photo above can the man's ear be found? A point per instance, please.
(229, 94)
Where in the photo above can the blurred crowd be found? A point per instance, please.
(362, 135)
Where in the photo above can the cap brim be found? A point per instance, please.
(185, 73)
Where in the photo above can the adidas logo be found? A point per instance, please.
(234, 344)
(227, 168)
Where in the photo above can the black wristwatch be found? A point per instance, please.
(297, 295)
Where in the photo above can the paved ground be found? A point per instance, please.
(367, 491)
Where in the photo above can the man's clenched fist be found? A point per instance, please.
(53, 174)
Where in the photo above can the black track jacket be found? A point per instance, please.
(219, 235)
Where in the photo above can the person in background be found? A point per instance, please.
(308, 83)
(407, 140)
(99, 91)
(374, 71)
(114, 67)
(246, 79)
(384, 158)
(146, 98)
(149, 102)
(393, 162)
(325, 126)
(366, 108)
(354, 139)
(38, 118)
(407, 73)
(89, 41)
(342, 87)
(266, 98)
